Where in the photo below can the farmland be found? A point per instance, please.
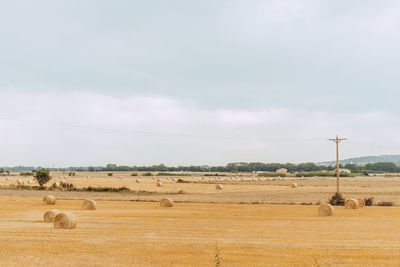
(250, 222)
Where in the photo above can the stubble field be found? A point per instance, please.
(125, 232)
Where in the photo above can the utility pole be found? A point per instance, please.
(337, 140)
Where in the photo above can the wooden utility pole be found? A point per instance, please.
(337, 140)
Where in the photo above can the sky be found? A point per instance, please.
(197, 82)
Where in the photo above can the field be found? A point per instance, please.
(126, 232)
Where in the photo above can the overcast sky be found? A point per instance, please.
(197, 82)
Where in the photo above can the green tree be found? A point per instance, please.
(1, 170)
(42, 177)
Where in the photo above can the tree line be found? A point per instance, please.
(236, 167)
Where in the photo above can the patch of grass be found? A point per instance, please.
(110, 174)
(134, 174)
(217, 257)
(385, 203)
(271, 174)
(147, 174)
(181, 181)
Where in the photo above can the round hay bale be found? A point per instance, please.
(361, 202)
(19, 181)
(159, 184)
(218, 186)
(30, 182)
(63, 181)
(89, 204)
(166, 202)
(8, 178)
(294, 185)
(57, 184)
(159, 180)
(65, 220)
(49, 200)
(138, 180)
(351, 203)
(325, 209)
(50, 215)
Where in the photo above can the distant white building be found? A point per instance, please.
(344, 171)
(283, 170)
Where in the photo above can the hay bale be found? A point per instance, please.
(65, 220)
(50, 215)
(138, 180)
(89, 204)
(159, 184)
(57, 184)
(325, 209)
(294, 185)
(63, 181)
(218, 186)
(361, 202)
(166, 202)
(351, 203)
(30, 182)
(8, 179)
(19, 182)
(49, 200)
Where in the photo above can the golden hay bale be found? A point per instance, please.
(19, 182)
(50, 215)
(159, 184)
(325, 209)
(65, 220)
(138, 180)
(166, 202)
(361, 202)
(89, 204)
(294, 185)
(8, 179)
(351, 203)
(218, 186)
(49, 200)
(30, 182)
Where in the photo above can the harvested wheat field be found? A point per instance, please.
(121, 233)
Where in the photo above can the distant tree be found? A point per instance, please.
(42, 177)
(91, 169)
(1, 170)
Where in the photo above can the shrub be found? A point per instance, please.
(181, 181)
(337, 200)
(134, 174)
(368, 201)
(42, 177)
(385, 203)
(110, 174)
(271, 174)
(26, 173)
(147, 174)
(71, 174)
(172, 174)
(1, 170)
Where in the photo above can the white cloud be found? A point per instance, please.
(81, 128)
